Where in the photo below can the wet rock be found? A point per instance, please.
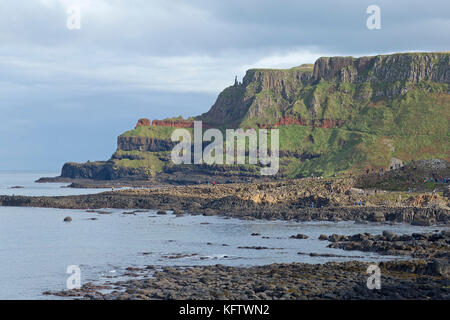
(161, 212)
(439, 268)
(343, 280)
(388, 235)
(67, 219)
(299, 236)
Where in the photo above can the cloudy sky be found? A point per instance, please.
(65, 95)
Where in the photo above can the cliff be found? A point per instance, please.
(340, 114)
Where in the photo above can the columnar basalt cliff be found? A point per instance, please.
(411, 68)
(340, 114)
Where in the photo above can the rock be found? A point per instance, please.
(144, 122)
(439, 268)
(377, 217)
(388, 235)
(161, 212)
(255, 234)
(323, 237)
(299, 236)
(67, 219)
(446, 193)
(421, 221)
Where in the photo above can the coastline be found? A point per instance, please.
(298, 200)
(424, 276)
(294, 281)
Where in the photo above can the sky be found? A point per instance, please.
(67, 93)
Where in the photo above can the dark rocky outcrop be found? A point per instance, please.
(417, 245)
(144, 144)
(101, 171)
(345, 280)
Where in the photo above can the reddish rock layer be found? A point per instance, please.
(144, 122)
(318, 123)
(173, 123)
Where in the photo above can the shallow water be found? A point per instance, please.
(10, 179)
(36, 246)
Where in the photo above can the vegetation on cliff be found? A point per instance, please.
(340, 114)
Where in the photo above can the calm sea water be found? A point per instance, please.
(10, 179)
(36, 246)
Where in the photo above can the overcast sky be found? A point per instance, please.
(65, 95)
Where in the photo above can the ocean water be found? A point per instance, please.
(10, 179)
(36, 246)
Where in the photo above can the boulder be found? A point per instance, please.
(388, 235)
(439, 268)
(323, 237)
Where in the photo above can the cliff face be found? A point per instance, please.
(102, 170)
(342, 113)
(268, 96)
(249, 99)
(144, 144)
(411, 68)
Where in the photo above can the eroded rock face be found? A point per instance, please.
(144, 144)
(268, 94)
(317, 123)
(411, 68)
(101, 171)
(173, 123)
(144, 122)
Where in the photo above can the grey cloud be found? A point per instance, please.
(159, 58)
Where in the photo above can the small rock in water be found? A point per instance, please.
(323, 237)
(67, 219)
(255, 234)
(161, 212)
(299, 236)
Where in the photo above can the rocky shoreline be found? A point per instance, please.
(427, 278)
(301, 200)
(295, 281)
(417, 245)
